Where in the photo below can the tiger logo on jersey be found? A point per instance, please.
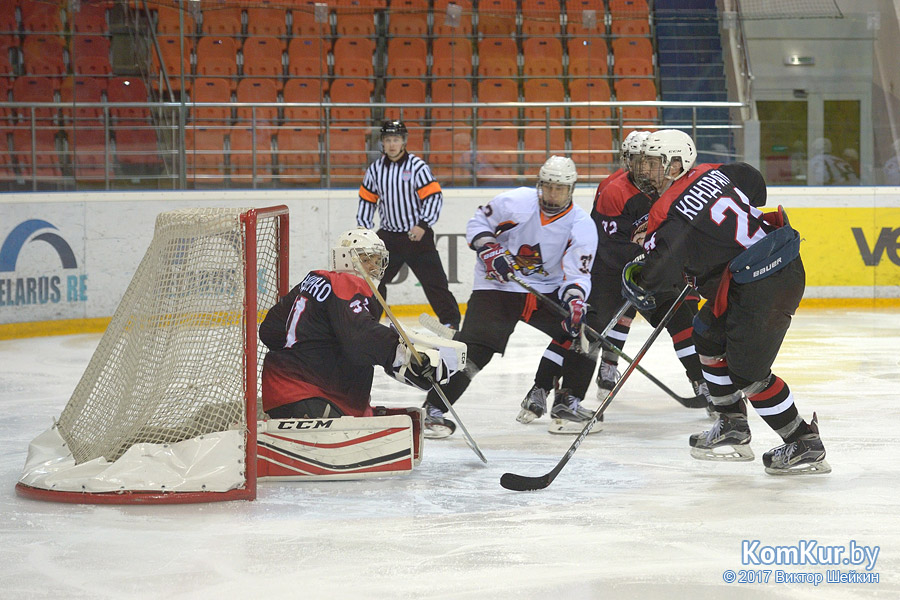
(529, 260)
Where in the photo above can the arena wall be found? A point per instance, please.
(66, 258)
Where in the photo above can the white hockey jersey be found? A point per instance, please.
(551, 252)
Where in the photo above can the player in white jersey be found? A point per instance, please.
(541, 236)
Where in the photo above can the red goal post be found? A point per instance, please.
(166, 411)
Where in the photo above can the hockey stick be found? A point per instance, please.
(416, 356)
(600, 340)
(522, 483)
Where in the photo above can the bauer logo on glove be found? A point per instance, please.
(498, 263)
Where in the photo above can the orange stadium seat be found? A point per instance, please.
(90, 17)
(308, 57)
(6, 64)
(351, 91)
(173, 61)
(298, 155)
(266, 18)
(168, 21)
(629, 8)
(590, 150)
(451, 57)
(450, 156)
(451, 91)
(544, 90)
(635, 90)
(405, 91)
(8, 20)
(356, 25)
(303, 90)
(257, 90)
(242, 154)
(4, 97)
(632, 48)
(41, 17)
(205, 154)
(353, 58)
(633, 67)
(589, 90)
(33, 89)
(496, 17)
(90, 55)
(537, 150)
(136, 143)
(348, 158)
(43, 55)
(303, 16)
(263, 57)
(588, 57)
(127, 89)
(209, 89)
(498, 90)
(221, 21)
(38, 156)
(441, 28)
(407, 57)
(76, 90)
(540, 18)
(577, 12)
(217, 57)
(497, 156)
(408, 24)
(497, 57)
(542, 57)
(87, 147)
(630, 27)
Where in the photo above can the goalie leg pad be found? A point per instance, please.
(343, 448)
(418, 426)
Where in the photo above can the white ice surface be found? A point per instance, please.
(631, 516)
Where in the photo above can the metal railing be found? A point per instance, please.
(53, 145)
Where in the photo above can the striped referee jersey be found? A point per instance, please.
(404, 191)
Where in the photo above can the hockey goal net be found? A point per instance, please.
(166, 410)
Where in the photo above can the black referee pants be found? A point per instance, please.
(425, 263)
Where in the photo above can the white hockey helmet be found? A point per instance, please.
(558, 171)
(366, 246)
(667, 145)
(631, 146)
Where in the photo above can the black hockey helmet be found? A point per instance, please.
(394, 128)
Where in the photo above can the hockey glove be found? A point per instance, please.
(577, 308)
(498, 263)
(632, 291)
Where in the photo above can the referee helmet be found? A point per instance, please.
(394, 128)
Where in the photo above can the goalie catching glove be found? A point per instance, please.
(498, 263)
(441, 358)
(632, 291)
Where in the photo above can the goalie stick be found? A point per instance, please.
(600, 340)
(415, 355)
(523, 483)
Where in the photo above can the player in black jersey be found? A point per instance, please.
(620, 213)
(324, 341)
(747, 264)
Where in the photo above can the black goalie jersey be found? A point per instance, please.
(323, 343)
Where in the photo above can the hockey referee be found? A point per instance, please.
(409, 203)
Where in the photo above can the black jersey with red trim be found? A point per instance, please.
(701, 223)
(323, 342)
(619, 208)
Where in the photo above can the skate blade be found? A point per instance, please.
(437, 432)
(727, 453)
(526, 416)
(815, 468)
(564, 427)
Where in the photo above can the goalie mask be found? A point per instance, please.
(556, 182)
(654, 170)
(366, 246)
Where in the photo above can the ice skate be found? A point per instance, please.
(727, 440)
(534, 405)
(569, 417)
(805, 456)
(436, 327)
(607, 378)
(436, 426)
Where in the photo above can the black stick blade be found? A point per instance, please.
(695, 402)
(522, 483)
